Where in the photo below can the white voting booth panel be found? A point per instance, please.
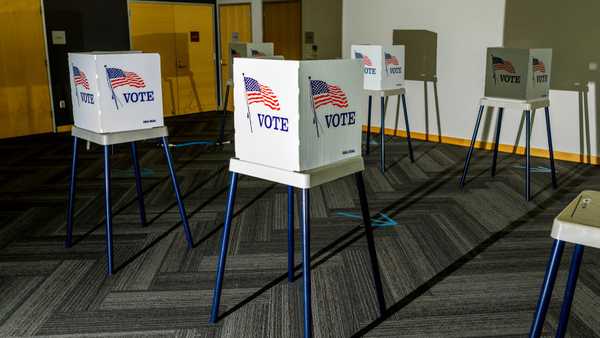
(249, 50)
(383, 66)
(514, 73)
(115, 92)
(297, 115)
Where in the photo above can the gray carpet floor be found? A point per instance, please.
(455, 263)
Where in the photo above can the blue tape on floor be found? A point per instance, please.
(538, 169)
(193, 143)
(382, 220)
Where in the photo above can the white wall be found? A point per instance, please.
(465, 28)
(256, 8)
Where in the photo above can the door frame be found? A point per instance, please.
(47, 61)
(217, 51)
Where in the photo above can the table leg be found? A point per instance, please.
(471, 147)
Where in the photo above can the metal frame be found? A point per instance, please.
(306, 259)
(384, 94)
(529, 108)
(107, 195)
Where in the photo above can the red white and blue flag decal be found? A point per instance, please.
(119, 77)
(80, 79)
(538, 66)
(324, 93)
(365, 59)
(391, 60)
(501, 64)
(259, 93)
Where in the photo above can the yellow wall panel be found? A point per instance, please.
(24, 94)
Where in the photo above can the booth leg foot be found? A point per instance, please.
(369, 125)
(550, 148)
(497, 140)
(528, 155)
(214, 314)
(308, 326)
(547, 287)
(290, 234)
(408, 138)
(364, 206)
(138, 183)
(569, 291)
(108, 212)
(72, 187)
(471, 147)
(382, 135)
(182, 214)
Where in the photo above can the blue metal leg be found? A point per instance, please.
(108, 212)
(214, 314)
(290, 233)
(308, 326)
(547, 286)
(550, 148)
(470, 152)
(497, 140)
(72, 184)
(364, 206)
(569, 291)
(224, 115)
(369, 125)
(138, 183)
(528, 155)
(184, 219)
(382, 135)
(408, 138)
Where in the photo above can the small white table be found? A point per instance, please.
(304, 181)
(578, 223)
(384, 94)
(106, 140)
(528, 107)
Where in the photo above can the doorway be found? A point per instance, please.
(184, 36)
(235, 23)
(282, 26)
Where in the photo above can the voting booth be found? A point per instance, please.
(521, 74)
(249, 50)
(297, 115)
(383, 66)
(116, 92)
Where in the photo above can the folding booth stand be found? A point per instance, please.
(295, 124)
(516, 79)
(117, 98)
(383, 68)
(106, 141)
(578, 223)
(384, 95)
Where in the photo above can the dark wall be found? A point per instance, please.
(90, 25)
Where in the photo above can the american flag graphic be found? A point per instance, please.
(80, 78)
(538, 66)
(324, 94)
(119, 77)
(501, 64)
(365, 59)
(258, 93)
(257, 53)
(391, 60)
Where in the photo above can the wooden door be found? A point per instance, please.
(282, 26)
(233, 19)
(24, 92)
(196, 64)
(153, 30)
